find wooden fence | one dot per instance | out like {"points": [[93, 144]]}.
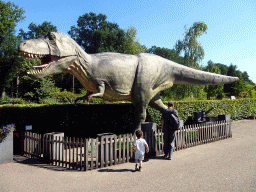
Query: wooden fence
{"points": [[108, 150]]}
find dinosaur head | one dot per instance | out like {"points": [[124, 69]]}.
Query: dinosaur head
{"points": [[57, 52]]}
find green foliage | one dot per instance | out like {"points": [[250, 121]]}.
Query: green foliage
{"points": [[131, 45], [170, 54], [66, 97], [223, 68], [36, 31], [191, 47], [10, 15], [95, 34], [251, 91], [8, 100], [237, 88], [39, 91], [213, 90]]}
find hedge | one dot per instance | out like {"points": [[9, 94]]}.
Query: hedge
{"points": [[75, 120], [88, 120]]}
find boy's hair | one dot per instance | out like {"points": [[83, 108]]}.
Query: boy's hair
{"points": [[139, 134]]}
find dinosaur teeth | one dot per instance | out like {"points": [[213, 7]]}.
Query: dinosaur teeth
{"points": [[41, 66], [31, 55]]}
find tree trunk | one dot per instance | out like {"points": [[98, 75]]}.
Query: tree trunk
{"points": [[3, 92]]}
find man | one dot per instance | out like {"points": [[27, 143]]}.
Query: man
{"points": [[169, 133]]}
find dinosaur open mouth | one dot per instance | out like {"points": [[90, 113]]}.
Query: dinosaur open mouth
{"points": [[46, 61]]}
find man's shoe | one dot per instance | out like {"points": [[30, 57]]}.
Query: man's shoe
{"points": [[169, 158], [136, 167], [140, 169]]}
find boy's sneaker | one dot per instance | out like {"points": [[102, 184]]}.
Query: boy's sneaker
{"points": [[136, 167]]}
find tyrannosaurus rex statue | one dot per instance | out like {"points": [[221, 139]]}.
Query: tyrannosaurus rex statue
{"points": [[114, 76]]}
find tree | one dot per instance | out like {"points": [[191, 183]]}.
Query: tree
{"points": [[246, 78], [170, 54], [193, 53], [96, 35], [10, 15], [131, 45], [223, 68], [239, 87], [213, 90], [228, 88], [36, 31], [191, 47]]}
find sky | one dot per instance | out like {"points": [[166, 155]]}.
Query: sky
{"points": [[230, 38]]}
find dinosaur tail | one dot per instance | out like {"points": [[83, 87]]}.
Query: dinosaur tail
{"points": [[187, 75]]}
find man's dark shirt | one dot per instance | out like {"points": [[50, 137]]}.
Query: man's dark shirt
{"points": [[166, 114]]}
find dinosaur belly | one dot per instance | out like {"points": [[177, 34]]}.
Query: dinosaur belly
{"points": [[111, 95]]}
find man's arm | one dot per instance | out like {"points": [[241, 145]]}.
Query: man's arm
{"points": [[176, 113], [162, 124], [147, 148]]}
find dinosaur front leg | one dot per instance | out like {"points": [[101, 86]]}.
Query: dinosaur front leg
{"points": [[157, 103], [101, 90]]}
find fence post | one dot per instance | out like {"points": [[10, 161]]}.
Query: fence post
{"points": [[111, 149], [101, 152], [86, 165], [230, 130], [115, 149], [124, 140], [92, 151]]}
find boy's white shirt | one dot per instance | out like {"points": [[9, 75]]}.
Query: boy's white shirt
{"points": [[140, 145]]}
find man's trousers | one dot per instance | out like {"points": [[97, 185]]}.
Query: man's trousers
{"points": [[169, 141]]}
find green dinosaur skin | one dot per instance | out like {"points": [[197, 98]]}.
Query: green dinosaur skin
{"points": [[114, 76]]}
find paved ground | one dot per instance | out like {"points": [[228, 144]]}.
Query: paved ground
{"points": [[226, 165]]}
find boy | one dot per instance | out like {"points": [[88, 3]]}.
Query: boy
{"points": [[139, 147]]}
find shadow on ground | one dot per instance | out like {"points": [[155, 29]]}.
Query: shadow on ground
{"points": [[41, 164], [38, 163]]}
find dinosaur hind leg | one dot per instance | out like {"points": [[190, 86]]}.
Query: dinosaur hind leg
{"points": [[141, 101]]}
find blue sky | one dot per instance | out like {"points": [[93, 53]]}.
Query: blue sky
{"points": [[230, 38]]}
